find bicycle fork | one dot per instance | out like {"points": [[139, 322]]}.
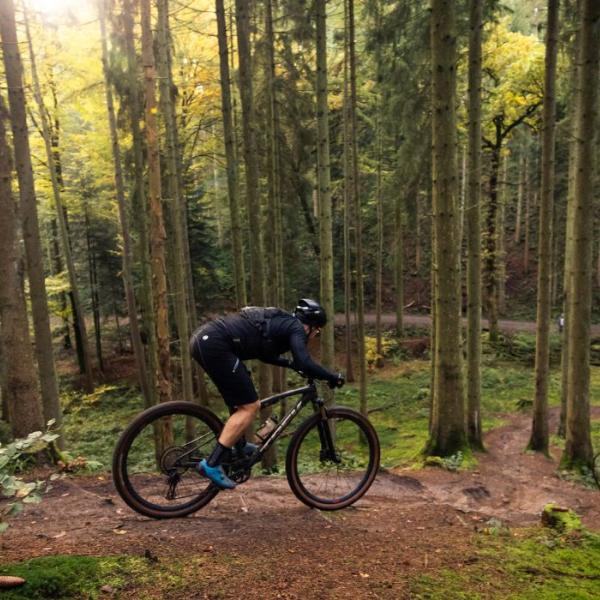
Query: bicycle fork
{"points": [[326, 435]]}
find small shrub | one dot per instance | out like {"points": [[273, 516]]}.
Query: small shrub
{"points": [[13, 457]]}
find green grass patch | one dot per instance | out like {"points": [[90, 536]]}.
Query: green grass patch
{"points": [[84, 577], [75, 576], [529, 565]]}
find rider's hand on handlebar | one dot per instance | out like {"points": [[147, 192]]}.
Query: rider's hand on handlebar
{"points": [[338, 382]]}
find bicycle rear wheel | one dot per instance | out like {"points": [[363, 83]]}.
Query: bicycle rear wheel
{"points": [[154, 463], [330, 481]]}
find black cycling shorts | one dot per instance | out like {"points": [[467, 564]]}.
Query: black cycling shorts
{"points": [[213, 352]]}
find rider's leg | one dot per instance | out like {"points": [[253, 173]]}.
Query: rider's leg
{"points": [[238, 423], [234, 429]]}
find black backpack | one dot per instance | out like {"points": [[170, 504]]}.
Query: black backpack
{"points": [[261, 316]]}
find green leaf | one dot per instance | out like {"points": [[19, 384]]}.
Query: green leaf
{"points": [[3, 526]]}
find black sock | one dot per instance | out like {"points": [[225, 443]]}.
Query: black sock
{"points": [[218, 455]]}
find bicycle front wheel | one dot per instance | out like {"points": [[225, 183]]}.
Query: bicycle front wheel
{"points": [[155, 460], [333, 478]]}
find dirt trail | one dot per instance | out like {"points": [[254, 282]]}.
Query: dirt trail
{"points": [[507, 326], [260, 542]]}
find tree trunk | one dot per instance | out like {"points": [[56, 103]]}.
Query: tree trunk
{"points": [[140, 204], [93, 279], [473, 205], [20, 386], [360, 302], [539, 429], [127, 273], [520, 195], [578, 447], [62, 223], [232, 167], [157, 228], [528, 203], [28, 213], [174, 201], [257, 283], [491, 245], [501, 228], [324, 186], [448, 421], [347, 208]]}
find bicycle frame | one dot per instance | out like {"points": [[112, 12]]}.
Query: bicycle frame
{"points": [[308, 394]]}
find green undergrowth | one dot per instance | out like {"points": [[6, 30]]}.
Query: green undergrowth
{"points": [[398, 401], [532, 564]]}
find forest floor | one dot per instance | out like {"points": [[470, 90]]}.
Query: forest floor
{"points": [[424, 533]]}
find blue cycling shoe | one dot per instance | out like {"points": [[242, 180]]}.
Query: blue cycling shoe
{"points": [[216, 474]]}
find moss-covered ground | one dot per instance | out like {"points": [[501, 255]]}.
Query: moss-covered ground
{"points": [[529, 564]]}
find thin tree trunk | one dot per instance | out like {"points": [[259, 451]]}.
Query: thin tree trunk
{"points": [[127, 272], [473, 205], [528, 207], [347, 208], [360, 302], [173, 203], [417, 234], [520, 195], [230, 154], [28, 213], [324, 185], [62, 223], [140, 205], [491, 245], [448, 416], [257, 282], [93, 278], [539, 440], [379, 257], [19, 388], [501, 228], [578, 447], [157, 228]]}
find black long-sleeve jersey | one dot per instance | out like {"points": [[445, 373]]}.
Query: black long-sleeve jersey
{"points": [[285, 333]]}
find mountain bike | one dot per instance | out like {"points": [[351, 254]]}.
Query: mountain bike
{"points": [[331, 461]]}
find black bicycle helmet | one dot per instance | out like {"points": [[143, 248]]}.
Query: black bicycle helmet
{"points": [[311, 313]]}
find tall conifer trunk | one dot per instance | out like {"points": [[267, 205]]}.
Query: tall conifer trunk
{"points": [[28, 212], [360, 301], [473, 206], [157, 228], [539, 429], [257, 282], [347, 207], [448, 422], [140, 205], [231, 159], [177, 246], [324, 186], [19, 390], [578, 447]]}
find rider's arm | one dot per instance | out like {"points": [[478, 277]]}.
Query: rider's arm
{"points": [[278, 361], [302, 360]]}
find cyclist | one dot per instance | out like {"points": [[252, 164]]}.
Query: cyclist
{"points": [[254, 333]]}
